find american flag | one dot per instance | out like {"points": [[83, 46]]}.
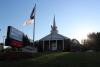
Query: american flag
{"points": [[32, 17]]}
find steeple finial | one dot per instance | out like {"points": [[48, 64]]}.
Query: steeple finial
{"points": [[54, 27]]}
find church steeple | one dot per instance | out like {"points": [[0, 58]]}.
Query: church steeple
{"points": [[54, 27]]}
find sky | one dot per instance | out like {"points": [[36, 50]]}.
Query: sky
{"points": [[74, 18]]}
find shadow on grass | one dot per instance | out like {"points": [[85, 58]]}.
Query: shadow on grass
{"points": [[57, 59]]}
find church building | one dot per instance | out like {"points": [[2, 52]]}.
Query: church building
{"points": [[54, 41]]}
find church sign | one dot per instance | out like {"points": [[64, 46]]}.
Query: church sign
{"points": [[14, 37]]}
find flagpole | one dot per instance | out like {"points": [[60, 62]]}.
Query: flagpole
{"points": [[34, 25], [33, 32]]}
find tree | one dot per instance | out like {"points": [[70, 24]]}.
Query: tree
{"points": [[26, 40], [1, 44], [93, 41]]}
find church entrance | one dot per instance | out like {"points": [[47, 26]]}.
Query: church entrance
{"points": [[54, 46]]}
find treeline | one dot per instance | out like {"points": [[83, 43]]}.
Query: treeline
{"points": [[92, 42]]}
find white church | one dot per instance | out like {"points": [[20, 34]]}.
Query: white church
{"points": [[54, 41]]}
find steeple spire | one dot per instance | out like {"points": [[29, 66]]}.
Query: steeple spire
{"points": [[54, 27], [54, 23]]}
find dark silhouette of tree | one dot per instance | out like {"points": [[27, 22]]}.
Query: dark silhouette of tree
{"points": [[26, 40], [1, 44], [93, 41]]}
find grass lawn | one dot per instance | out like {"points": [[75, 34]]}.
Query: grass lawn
{"points": [[57, 59]]}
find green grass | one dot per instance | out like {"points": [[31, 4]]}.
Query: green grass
{"points": [[57, 59]]}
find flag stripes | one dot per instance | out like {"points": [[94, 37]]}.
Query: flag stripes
{"points": [[32, 17]]}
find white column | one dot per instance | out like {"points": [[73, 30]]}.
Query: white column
{"points": [[56, 45], [43, 45], [63, 44]]}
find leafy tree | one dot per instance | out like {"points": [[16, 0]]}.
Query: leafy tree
{"points": [[26, 40], [93, 41]]}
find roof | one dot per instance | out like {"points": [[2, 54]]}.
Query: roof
{"points": [[54, 36]]}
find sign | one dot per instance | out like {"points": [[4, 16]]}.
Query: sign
{"points": [[14, 37]]}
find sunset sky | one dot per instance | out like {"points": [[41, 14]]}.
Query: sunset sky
{"points": [[74, 18]]}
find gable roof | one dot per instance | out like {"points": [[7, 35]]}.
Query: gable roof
{"points": [[54, 36]]}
